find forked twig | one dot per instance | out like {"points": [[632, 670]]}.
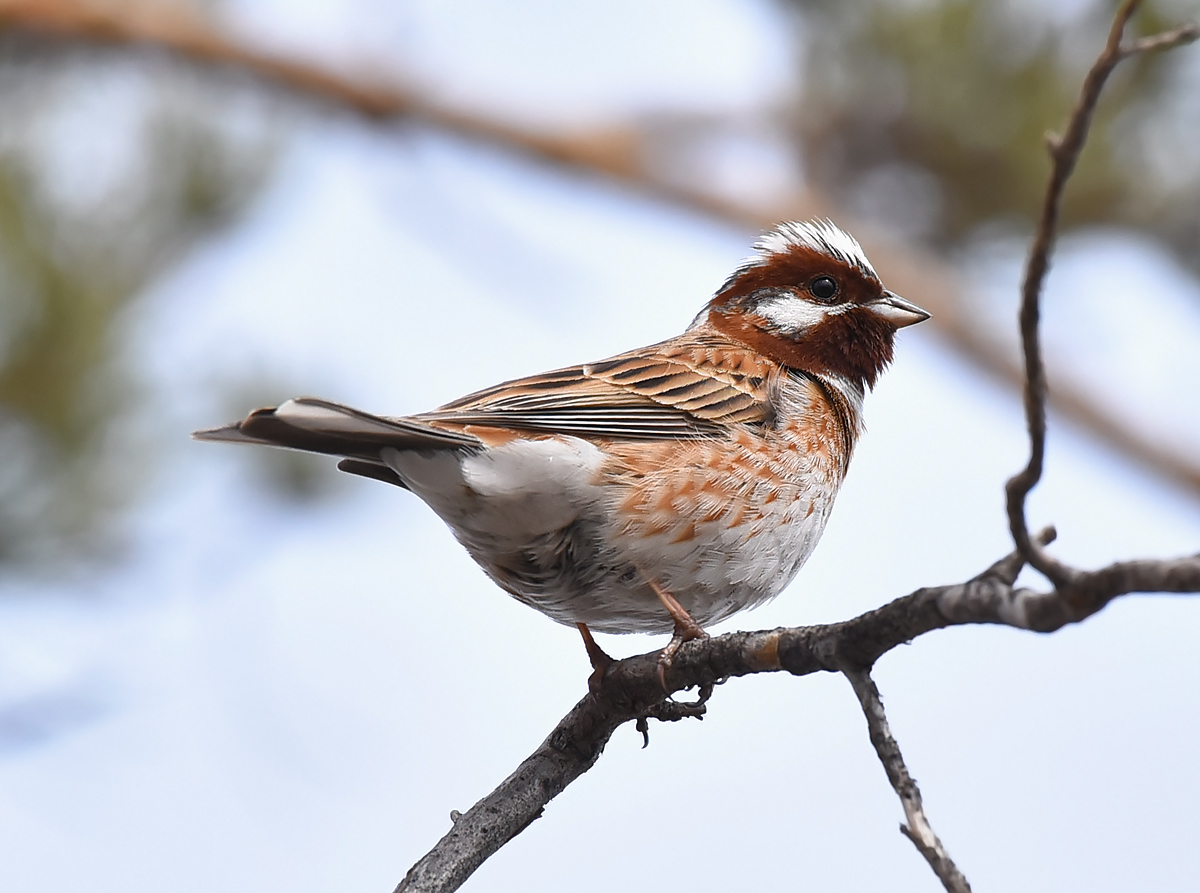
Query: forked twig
{"points": [[1064, 154]]}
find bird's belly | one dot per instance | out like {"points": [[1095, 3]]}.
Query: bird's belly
{"points": [[723, 525], [580, 533]]}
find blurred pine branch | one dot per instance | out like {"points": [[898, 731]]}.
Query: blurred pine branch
{"points": [[72, 261]]}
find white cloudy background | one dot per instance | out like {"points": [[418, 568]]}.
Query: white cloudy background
{"points": [[270, 695]]}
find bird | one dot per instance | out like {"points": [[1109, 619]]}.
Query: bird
{"points": [[660, 490]]}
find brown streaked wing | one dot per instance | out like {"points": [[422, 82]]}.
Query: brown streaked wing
{"points": [[669, 390]]}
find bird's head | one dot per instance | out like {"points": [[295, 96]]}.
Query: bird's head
{"points": [[811, 300]]}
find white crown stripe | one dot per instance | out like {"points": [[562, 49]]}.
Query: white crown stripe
{"points": [[817, 235]]}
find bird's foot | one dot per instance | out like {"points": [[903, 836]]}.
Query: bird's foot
{"points": [[672, 711]]}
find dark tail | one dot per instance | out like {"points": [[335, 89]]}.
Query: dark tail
{"points": [[318, 426]]}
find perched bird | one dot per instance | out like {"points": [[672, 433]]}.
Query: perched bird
{"points": [[663, 489]]}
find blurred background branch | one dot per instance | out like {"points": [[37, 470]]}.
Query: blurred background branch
{"points": [[80, 238], [914, 124]]}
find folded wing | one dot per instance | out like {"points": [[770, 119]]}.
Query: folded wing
{"points": [[662, 392], [678, 389]]}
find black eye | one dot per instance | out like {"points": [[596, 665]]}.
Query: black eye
{"points": [[823, 288]]}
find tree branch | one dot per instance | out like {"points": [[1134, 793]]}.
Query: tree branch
{"points": [[629, 689], [617, 152]]}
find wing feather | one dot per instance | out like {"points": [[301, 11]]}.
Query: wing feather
{"points": [[686, 387]]}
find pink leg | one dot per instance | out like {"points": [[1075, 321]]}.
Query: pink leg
{"points": [[686, 629]]}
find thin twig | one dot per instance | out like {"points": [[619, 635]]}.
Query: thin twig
{"points": [[918, 829], [618, 152], [1064, 154], [1165, 40]]}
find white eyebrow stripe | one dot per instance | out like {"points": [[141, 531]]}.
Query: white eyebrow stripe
{"points": [[792, 314]]}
